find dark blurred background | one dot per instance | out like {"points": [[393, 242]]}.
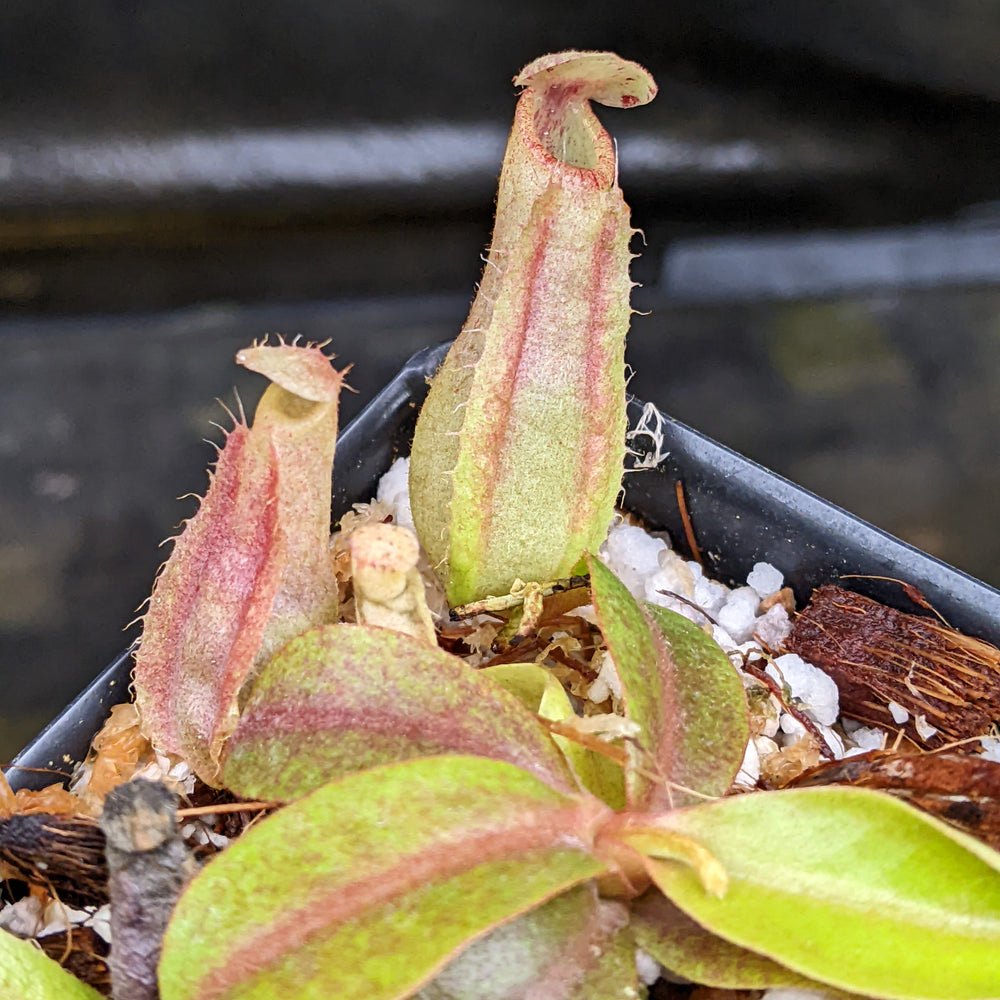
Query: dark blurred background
{"points": [[817, 184]]}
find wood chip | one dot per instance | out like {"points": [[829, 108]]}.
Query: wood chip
{"points": [[65, 854], [947, 681], [785, 597]]}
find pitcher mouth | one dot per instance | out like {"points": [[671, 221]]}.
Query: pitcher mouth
{"points": [[556, 123]]}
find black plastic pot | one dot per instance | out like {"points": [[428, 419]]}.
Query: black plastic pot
{"points": [[741, 513]]}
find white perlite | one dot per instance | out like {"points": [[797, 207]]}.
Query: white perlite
{"points": [[833, 741], [725, 641], [673, 577], [394, 491], [633, 556], [765, 579], [814, 690], [866, 738], [899, 714], [647, 967], [708, 595], [924, 729], [773, 627], [738, 614]]}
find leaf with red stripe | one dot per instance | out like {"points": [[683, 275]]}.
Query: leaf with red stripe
{"points": [[345, 698], [681, 689], [252, 568], [368, 887]]}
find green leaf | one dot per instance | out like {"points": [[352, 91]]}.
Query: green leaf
{"points": [[26, 973], [345, 698], [849, 887], [686, 949], [575, 947], [540, 692], [366, 888], [681, 689]]}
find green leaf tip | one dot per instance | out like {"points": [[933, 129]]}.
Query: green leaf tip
{"points": [[848, 887], [519, 449]]}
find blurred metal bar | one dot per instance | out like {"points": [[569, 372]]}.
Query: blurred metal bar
{"points": [[747, 268], [133, 168], [392, 163]]}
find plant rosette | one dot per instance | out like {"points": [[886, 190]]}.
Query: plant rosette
{"points": [[489, 766]]}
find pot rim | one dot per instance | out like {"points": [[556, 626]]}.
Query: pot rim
{"points": [[742, 513]]}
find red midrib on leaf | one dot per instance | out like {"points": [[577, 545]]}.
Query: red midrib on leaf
{"points": [[663, 733], [451, 733], [335, 905]]}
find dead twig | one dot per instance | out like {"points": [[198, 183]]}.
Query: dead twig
{"points": [[148, 865]]}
